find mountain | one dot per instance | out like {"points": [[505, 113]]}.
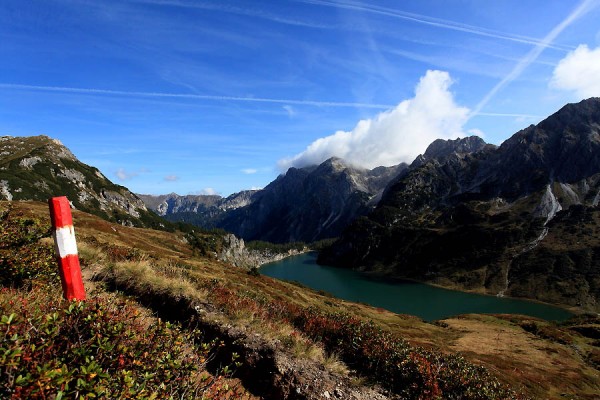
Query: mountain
{"points": [[202, 210], [519, 219], [309, 204], [440, 148], [304, 204], [173, 203], [39, 167]]}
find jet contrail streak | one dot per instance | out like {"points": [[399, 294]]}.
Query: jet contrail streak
{"points": [[108, 92]]}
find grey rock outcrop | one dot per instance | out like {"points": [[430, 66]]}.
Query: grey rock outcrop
{"points": [[442, 148], [237, 254], [39, 167]]}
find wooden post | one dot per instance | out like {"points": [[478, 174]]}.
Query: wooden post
{"points": [[66, 248]]}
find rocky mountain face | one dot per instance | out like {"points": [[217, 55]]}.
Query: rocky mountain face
{"points": [[38, 167], [500, 219], [440, 149], [308, 204], [173, 203], [305, 204]]}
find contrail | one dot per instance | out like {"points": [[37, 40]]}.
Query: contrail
{"points": [[584, 7], [418, 18], [250, 12], [437, 22], [107, 92]]}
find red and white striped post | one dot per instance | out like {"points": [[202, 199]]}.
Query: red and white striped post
{"points": [[66, 248]]}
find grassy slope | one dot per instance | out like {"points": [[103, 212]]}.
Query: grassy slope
{"points": [[161, 271]]}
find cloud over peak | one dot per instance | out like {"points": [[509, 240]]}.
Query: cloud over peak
{"points": [[393, 136]]}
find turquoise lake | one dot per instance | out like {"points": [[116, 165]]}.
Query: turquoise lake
{"points": [[427, 302]]}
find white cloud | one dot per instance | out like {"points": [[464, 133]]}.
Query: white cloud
{"points": [[124, 175], [579, 71], [290, 110], [249, 171], [583, 8], [171, 178], [396, 135], [208, 191]]}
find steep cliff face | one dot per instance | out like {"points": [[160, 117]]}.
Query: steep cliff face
{"points": [[309, 204], [236, 253], [38, 167], [480, 220], [440, 148]]}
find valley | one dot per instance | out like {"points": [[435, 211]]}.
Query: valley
{"points": [[519, 219]]}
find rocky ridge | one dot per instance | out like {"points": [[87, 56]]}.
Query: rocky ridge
{"points": [[206, 211], [173, 203], [39, 167]]}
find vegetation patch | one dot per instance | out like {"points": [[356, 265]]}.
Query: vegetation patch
{"points": [[23, 257], [260, 321], [106, 347], [377, 354], [409, 371], [102, 348]]}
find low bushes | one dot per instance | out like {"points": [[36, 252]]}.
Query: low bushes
{"points": [[102, 348], [23, 257], [409, 371]]}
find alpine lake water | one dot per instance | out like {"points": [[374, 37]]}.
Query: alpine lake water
{"points": [[425, 301]]}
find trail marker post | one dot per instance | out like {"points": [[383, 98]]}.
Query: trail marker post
{"points": [[66, 248]]}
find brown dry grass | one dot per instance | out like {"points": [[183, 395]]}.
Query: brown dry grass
{"points": [[545, 368]]}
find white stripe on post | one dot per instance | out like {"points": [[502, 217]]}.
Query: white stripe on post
{"points": [[66, 248], [65, 241]]}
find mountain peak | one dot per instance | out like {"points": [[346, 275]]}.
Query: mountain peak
{"points": [[517, 220], [332, 165], [563, 147], [443, 148]]}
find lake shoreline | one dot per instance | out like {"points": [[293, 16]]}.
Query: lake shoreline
{"points": [[373, 276], [471, 301]]}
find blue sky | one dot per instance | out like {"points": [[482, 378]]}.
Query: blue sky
{"points": [[192, 96]]}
